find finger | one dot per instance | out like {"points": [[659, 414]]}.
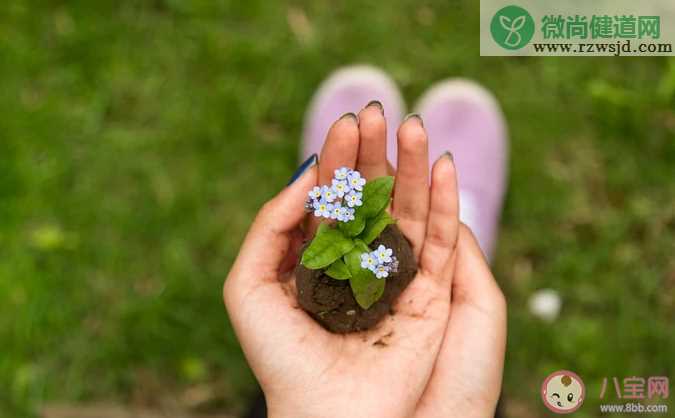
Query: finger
{"points": [[442, 222], [471, 358], [411, 189], [372, 158], [296, 240], [261, 305], [341, 147], [473, 278], [340, 150], [268, 239]]}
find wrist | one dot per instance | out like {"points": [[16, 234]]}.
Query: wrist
{"points": [[282, 408], [289, 407]]}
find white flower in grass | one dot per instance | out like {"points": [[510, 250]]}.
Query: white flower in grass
{"points": [[349, 214], [342, 173], [322, 209], [340, 187], [353, 198], [383, 254], [545, 304], [368, 261], [355, 181]]}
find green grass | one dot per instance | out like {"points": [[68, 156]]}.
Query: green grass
{"points": [[138, 139]]}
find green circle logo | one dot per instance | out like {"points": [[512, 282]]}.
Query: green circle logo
{"points": [[512, 27]]}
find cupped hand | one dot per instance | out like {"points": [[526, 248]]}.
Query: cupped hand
{"points": [[415, 362], [467, 376]]}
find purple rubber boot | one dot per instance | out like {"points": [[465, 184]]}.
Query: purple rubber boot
{"points": [[462, 117], [348, 90]]}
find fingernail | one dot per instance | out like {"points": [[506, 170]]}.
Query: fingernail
{"points": [[350, 115], [448, 155], [377, 104], [303, 168], [414, 116]]}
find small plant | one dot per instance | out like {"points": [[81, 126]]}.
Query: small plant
{"points": [[341, 249]]}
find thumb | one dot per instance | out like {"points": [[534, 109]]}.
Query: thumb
{"points": [[269, 237], [473, 279]]}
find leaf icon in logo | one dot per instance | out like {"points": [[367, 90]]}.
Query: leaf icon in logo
{"points": [[518, 23], [505, 21], [513, 26]]}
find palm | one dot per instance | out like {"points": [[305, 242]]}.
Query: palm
{"points": [[375, 361], [471, 359]]}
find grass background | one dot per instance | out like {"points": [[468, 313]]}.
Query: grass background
{"points": [[138, 139]]}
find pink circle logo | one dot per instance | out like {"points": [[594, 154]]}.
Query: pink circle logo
{"points": [[563, 392]]}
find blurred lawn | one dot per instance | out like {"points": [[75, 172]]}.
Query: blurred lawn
{"points": [[138, 139]]}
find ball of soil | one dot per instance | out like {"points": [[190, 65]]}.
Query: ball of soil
{"points": [[331, 302]]}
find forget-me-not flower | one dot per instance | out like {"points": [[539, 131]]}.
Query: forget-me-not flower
{"points": [[322, 208], [383, 254], [340, 187], [381, 271], [338, 212], [368, 261], [381, 262], [355, 180], [353, 198], [339, 200], [315, 193], [342, 173], [328, 194]]}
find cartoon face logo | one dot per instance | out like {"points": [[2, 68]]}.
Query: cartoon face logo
{"points": [[563, 392]]}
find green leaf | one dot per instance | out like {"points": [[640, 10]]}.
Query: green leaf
{"points": [[375, 226], [338, 270], [354, 227], [367, 289], [360, 245], [328, 245], [376, 196]]}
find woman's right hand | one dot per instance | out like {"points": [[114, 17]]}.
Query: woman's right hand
{"points": [[467, 377]]}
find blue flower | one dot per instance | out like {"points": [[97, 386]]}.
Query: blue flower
{"points": [[328, 194], [354, 198], [315, 193], [381, 271], [322, 208], [393, 266], [355, 180], [368, 261], [383, 254], [342, 173], [338, 212], [349, 214], [340, 187]]}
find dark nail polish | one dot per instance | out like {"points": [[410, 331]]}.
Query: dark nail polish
{"points": [[350, 115], [377, 104], [448, 155], [313, 159], [415, 116]]}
